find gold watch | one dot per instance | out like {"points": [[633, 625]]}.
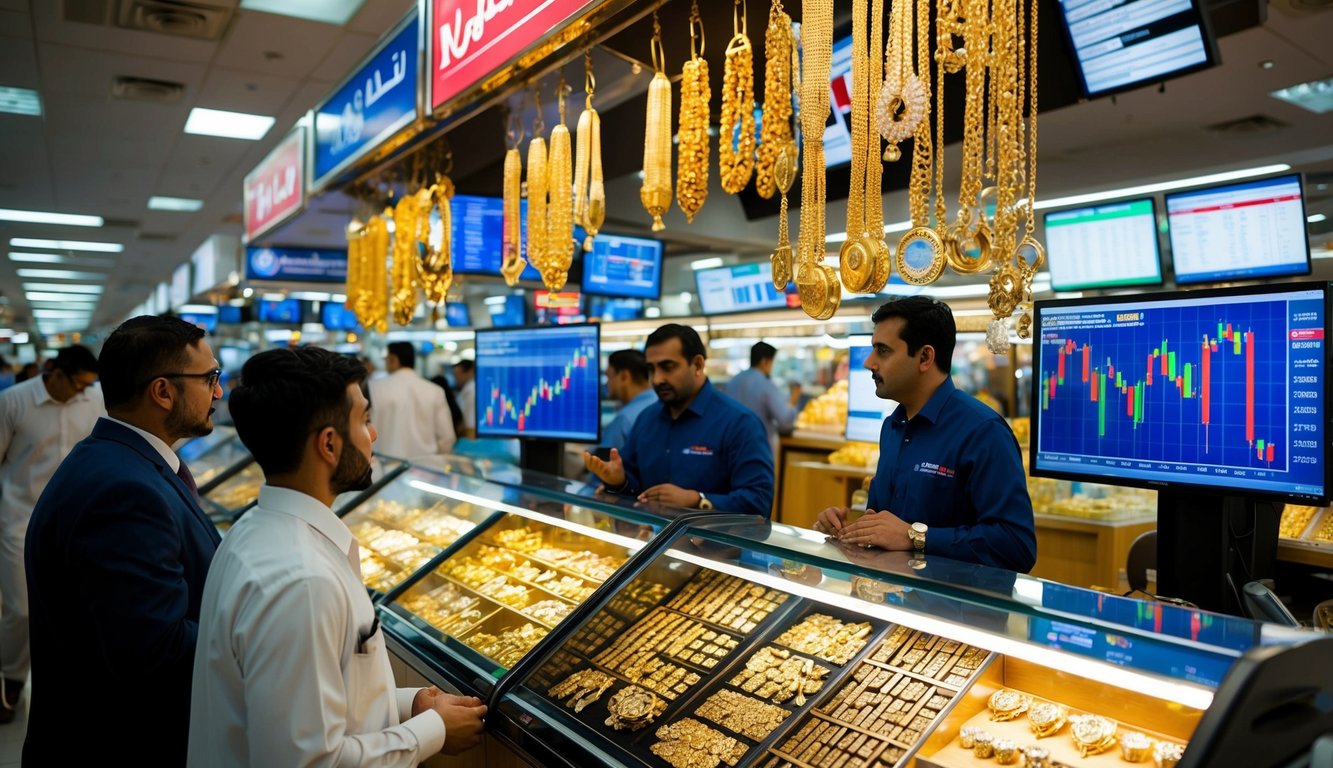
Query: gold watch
{"points": [[704, 503], [917, 533]]}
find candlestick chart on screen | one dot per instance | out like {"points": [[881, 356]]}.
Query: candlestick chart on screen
{"points": [[538, 385]]}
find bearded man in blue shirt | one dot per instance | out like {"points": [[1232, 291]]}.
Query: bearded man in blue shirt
{"points": [[950, 477], [695, 447]]}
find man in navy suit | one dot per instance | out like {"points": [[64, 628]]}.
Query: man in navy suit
{"points": [[117, 552]]}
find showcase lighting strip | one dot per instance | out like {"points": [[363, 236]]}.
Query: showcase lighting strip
{"points": [[1173, 691]]}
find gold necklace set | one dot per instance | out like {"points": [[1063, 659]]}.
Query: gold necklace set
{"points": [[512, 263], [367, 272], [695, 95], [779, 157], [820, 291], [864, 258]]}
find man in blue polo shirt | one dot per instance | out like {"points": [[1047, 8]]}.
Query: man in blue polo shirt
{"points": [[695, 447], [950, 477]]}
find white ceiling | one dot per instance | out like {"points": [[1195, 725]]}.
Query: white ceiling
{"points": [[91, 153]]}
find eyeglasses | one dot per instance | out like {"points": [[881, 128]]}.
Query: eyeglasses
{"points": [[210, 377]]}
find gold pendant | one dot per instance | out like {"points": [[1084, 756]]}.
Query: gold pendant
{"points": [[856, 264], [781, 261], [920, 256], [821, 294]]}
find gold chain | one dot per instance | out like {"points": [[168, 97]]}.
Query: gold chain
{"points": [[786, 162], [918, 190], [820, 291], [405, 259], [692, 152], [735, 153], [560, 208], [377, 273], [656, 191], [864, 257], [776, 130], [537, 193]]}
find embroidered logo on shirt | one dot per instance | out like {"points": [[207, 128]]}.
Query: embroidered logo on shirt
{"points": [[926, 467], [697, 450]]}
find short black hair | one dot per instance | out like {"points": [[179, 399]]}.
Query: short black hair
{"points": [[76, 359], [762, 351], [925, 321], [465, 365], [407, 357], [631, 360], [285, 395], [140, 349], [690, 343]]}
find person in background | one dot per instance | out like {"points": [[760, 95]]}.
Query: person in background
{"points": [[7, 378], [695, 447], [465, 376], [292, 668], [41, 419], [755, 390], [626, 381], [950, 477], [412, 413], [116, 556], [26, 372], [455, 412]]}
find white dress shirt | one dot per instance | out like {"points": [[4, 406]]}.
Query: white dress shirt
{"points": [[288, 670], [411, 416], [36, 434]]}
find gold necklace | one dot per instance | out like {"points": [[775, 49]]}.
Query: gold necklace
{"points": [[920, 255], [537, 195], [904, 99], [735, 153], [589, 190], [692, 153], [775, 133], [820, 291], [655, 194], [787, 156], [559, 249], [864, 258], [970, 233], [405, 259], [512, 263]]}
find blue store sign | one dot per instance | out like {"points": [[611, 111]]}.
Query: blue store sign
{"points": [[377, 101], [296, 265]]}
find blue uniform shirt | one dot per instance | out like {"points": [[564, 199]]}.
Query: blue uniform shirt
{"points": [[617, 432], [956, 467], [752, 389], [716, 447]]}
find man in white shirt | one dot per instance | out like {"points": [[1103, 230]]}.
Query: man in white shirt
{"points": [[41, 420], [465, 376], [411, 413], [292, 668]]}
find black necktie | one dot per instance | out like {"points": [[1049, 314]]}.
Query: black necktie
{"points": [[184, 474]]}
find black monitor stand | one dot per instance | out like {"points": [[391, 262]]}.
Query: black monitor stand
{"points": [[542, 456], [1209, 547]]}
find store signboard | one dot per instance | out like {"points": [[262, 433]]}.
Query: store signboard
{"points": [[296, 265], [275, 189], [470, 39], [378, 100]]}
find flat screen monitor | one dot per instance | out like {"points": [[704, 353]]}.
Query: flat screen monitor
{"points": [[1239, 231], [206, 320], [630, 267], [456, 314], [1217, 391], [229, 315], [612, 309], [866, 412], [284, 311], [1124, 45], [478, 236], [1108, 245], [559, 308], [539, 383], [740, 288], [507, 311], [336, 317]]}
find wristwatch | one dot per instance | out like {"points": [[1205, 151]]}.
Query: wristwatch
{"points": [[704, 503], [917, 533]]}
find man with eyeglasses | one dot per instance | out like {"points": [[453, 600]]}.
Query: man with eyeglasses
{"points": [[40, 421], [117, 553]]}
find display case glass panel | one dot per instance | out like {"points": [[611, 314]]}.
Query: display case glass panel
{"points": [[212, 457]]}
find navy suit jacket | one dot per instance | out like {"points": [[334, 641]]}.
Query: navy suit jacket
{"points": [[116, 556]]}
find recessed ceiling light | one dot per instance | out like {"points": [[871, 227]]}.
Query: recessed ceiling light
{"points": [[229, 125], [62, 287], [330, 11], [158, 203], [48, 217], [66, 245], [20, 101], [1316, 95], [60, 274], [60, 258]]}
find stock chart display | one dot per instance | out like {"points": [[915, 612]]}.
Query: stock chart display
{"points": [[539, 383], [1218, 391]]}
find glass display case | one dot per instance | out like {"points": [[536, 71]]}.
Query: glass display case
{"points": [[214, 457]]}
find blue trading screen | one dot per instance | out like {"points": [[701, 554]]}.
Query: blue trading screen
{"points": [[623, 266], [284, 311], [1223, 390], [336, 317], [539, 383], [456, 314], [477, 235], [740, 288]]}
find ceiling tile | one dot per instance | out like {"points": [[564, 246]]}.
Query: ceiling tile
{"points": [[350, 49], [377, 17], [252, 35], [128, 119], [52, 28], [18, 64], [247, 92], [90, 73]]}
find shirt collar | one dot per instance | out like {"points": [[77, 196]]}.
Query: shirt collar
{"points": [[309, 510], [648, 394], [704, 399], [40, 394], [169, 456], [931, 410]]}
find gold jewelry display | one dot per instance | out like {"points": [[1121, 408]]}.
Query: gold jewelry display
{"points": [[512, 263], [1006, 752], [920, 256], [582, 688], [558, 255], [820, 290], [1046, 719], [776, 131], [1008, 704], [633, 707], [735, 153], [1167, 754], [538, 175], [356, 290], [405, 262], [692, 152], [1092, 734], [1135, 747], [589, 191], [436, 269], [656, 191], [864, 257], [904, 98], [377, 272]]}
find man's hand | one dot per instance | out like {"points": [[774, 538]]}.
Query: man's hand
{"points": [[462, 723], [674, 495], [611, 472], [831, 521], [423, 699], [879, 529]]}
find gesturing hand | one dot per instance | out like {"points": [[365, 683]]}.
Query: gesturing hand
{"points": [[611, 471]]}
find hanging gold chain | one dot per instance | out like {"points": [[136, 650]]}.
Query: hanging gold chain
{"points": [[538, 176], [735, 140], [692, 151], [786, 154], [512, 263], [864, 257], [559, 249], [655, 194], [776, 132], [820, 291]]}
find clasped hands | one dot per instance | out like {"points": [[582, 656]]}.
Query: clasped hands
{"points": [[878, 529], [611, 472], [461, 715]]}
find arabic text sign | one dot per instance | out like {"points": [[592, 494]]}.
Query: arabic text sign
{"points": [[374, 103], [275, 189], [470, 39]]}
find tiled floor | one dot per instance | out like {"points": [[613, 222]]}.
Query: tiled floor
{"points": [[11, 736]]}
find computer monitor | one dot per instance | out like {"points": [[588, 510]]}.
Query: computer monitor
{"points": [[456, 314], [507, 311], [1108, 245], [336, 317], [477, 235], [229, 315], [206, 320], [740, 288], [865, 410], [1239, 231], [286, 311], [558, 307], [1125, 45], [629, 267]]}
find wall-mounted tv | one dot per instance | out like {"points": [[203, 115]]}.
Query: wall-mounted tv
{"points": [[1239, 231], [507, 311], [629, 267], [286, 311], [1124, 45], [740, 288], [1106, 245], [229, 315], [336, 317], [560, 308], [456, 314], [539, 383]]}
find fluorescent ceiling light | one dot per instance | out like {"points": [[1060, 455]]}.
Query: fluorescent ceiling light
{"points": [[494, 300], [1315, 218], [708, 263], [274, 297], [60, 274], [329, 11], [199, 309], [60, 258], [60, 297], [159, 203], [61, 305], [229, 125], [66, 245], [1162, 186], [61, 314], [20, 101], [1316, 95], [49, 217], [62, 287]]}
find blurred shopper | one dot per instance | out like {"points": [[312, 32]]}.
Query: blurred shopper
{"points": [[754, 388], [411, 413], [627, 382], [465, 376]]}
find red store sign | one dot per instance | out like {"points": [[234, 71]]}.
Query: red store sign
{"points": [[275, 189], [470, 39]]}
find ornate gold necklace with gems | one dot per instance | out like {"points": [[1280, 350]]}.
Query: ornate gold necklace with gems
{"points": [[920, 255], [820, 291]]}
